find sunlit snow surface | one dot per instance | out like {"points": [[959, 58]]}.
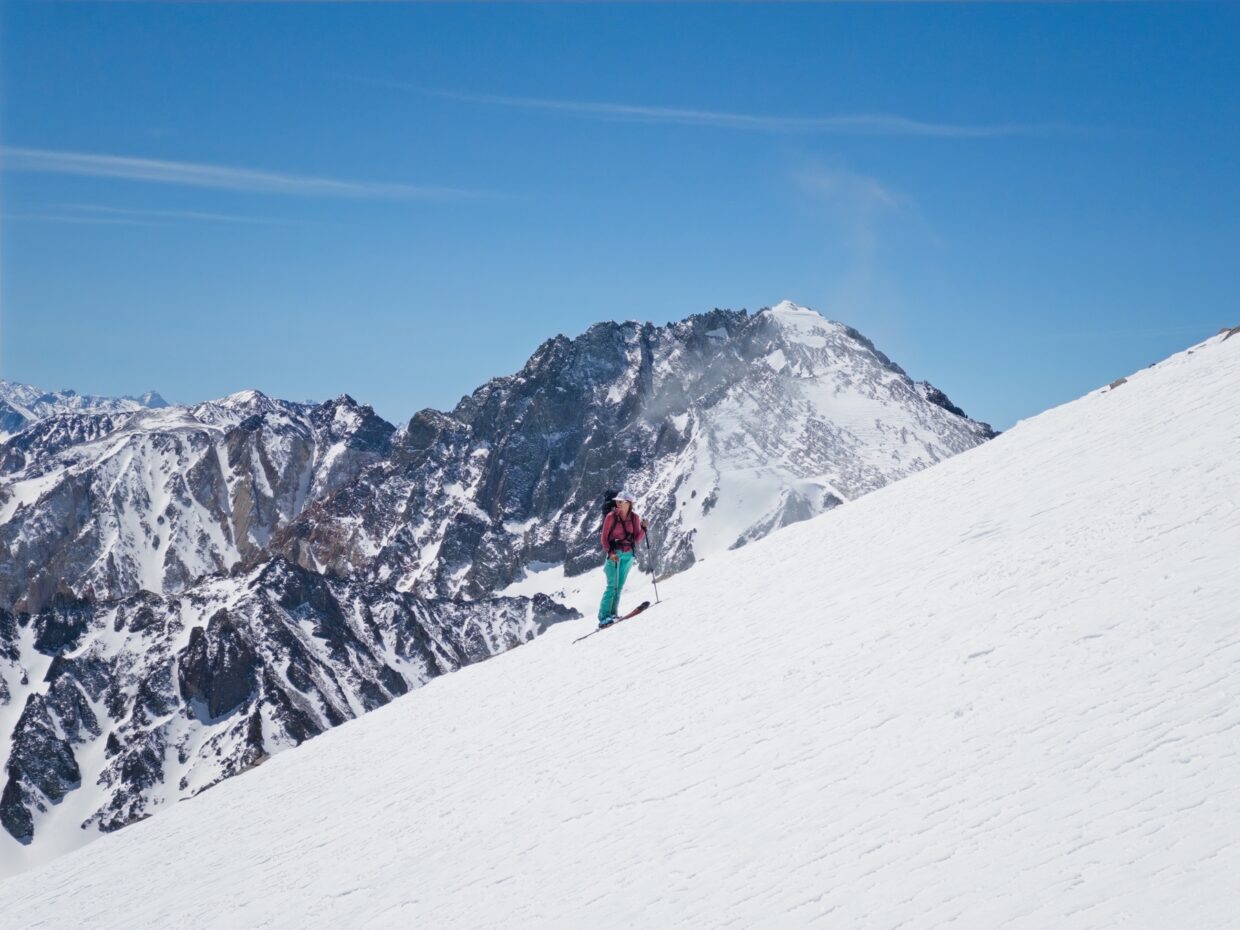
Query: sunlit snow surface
{"points": [[999, 693]]}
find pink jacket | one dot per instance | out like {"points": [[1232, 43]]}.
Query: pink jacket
{"points": [[616, 532]]}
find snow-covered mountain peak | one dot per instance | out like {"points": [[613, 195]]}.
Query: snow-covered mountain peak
{"points": [[343, 413], [249, 399], [238, 406], [727, 424], [17, 393], [787, 309], [344, 419], [797, 318], [807, 328]]}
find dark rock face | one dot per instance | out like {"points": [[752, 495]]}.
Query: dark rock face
{"points": [[217, 669], [15, 816], [41, 769], [939, 399], [62, 623]]}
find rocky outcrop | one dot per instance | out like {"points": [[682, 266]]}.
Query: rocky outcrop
{"points": [[218, 670]]}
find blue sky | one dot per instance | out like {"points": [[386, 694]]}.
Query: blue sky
{"points": [[1015, 202]]}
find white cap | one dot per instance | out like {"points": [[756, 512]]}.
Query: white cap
{"points": [[625, 496]]}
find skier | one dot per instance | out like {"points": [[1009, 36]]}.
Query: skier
{"points": [[622, 531]]}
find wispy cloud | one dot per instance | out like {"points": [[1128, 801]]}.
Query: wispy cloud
{"points": [[98, 213], [858, 124], [194, 174], [84, 220]]}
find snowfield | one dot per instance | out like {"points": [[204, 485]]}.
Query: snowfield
{"points": [[1002, 692]]}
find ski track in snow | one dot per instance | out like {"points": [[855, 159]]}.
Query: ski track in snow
{"points": [[1001, 693]]}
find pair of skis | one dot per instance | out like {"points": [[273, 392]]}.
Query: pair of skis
{"points": [[632, 613], [636, 610]]}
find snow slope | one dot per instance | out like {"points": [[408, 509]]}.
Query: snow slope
{"points": [[999, 693]]}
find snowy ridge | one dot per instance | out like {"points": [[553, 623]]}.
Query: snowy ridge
{"points": [[1000, 693]]}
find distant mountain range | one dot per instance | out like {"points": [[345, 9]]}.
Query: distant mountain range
{"points": [[22, 404]]}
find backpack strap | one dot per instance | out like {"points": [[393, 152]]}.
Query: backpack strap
{"points": [[630, 536]]}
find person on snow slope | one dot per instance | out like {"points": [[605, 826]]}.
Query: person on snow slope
{"points": [[623, 529]]}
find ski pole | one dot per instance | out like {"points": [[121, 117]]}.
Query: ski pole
{"points": [[654, 571]]}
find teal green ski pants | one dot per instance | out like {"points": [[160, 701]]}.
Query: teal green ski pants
{"points": [[616, 573]]}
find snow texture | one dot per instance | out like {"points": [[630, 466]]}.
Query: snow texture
{"points": [[1001, 693]]}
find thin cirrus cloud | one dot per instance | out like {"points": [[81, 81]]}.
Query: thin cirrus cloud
{"points": [[98, 214], [868, 124], [220, 177]]}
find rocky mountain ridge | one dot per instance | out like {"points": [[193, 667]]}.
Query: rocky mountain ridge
{"points": [[727, 426], [104, 505]]}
